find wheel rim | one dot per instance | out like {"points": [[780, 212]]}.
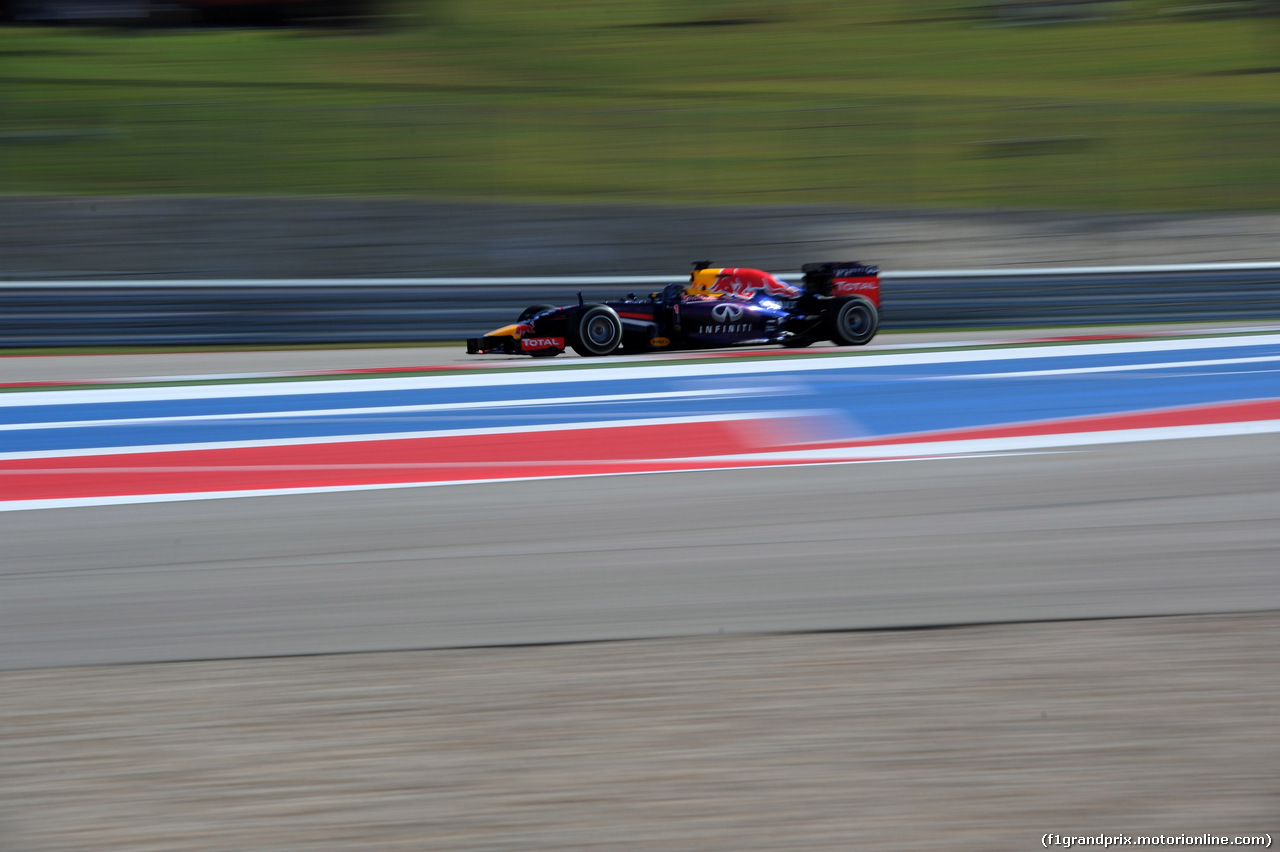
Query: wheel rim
{"points": [[600, 331], [855, 321]]}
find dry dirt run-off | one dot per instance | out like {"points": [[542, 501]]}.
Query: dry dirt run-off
{"points": [[960, 738]]}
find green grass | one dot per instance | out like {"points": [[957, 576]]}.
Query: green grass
{"points": [[895, 104]]}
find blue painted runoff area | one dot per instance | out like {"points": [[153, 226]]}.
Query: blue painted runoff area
{"points": [[853, 401]]}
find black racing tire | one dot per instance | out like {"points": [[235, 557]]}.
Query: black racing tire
{"points": [[595, 331], [853, 322], [533, 310]]}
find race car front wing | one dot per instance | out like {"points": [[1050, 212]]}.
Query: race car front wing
{"points": [[510, 345]]}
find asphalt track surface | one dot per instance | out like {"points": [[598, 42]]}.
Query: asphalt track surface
{"points": [[1134, 529], [1153, 529]]}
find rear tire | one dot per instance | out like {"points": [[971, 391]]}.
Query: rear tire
{"points": [[595, 331], [853, 322]]}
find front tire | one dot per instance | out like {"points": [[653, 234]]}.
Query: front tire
{"points": [[853, 322], [595, 331]]}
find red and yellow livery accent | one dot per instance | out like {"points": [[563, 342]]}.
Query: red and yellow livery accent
{"points": [[744, 283]]}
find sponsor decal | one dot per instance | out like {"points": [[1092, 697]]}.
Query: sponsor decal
{"points": [[736, 328], [748, 282], [659, 341], [528, 344], [850, 286], [778, 287], [726, 313]]}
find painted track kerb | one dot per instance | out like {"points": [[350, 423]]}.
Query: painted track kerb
{"points": [[99, 446], [393, 436], [388, 409]]}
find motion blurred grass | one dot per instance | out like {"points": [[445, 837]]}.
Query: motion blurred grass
{"points": [[919, 103]]}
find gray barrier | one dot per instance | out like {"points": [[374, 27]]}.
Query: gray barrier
{"points": [[199, 313]]}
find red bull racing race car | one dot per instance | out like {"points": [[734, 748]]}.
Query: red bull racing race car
{"points": [[716, 308]]}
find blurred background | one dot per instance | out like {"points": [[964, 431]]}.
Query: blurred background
{"points": [[209, 138], [1149, 105]]}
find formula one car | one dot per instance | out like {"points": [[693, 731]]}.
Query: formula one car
{"points": [[717, 308]]}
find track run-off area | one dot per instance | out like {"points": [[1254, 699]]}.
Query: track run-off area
{"points": [[542, 651], [255, 435]]}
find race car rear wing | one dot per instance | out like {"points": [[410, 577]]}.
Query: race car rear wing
{"points": [[843, 278]]}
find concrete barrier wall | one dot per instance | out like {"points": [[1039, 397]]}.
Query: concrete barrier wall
{"points": [[137, 313]]}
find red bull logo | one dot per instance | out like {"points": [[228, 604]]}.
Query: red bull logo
{"points": [[743, 283]]}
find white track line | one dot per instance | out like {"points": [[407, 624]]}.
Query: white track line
{"points": [[1115, 368], [271, 414], [404, 436], [134, 499], [923, 451], [1012, 443], [568, 374]]}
